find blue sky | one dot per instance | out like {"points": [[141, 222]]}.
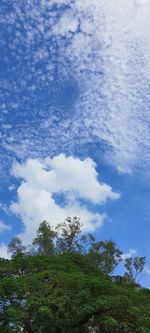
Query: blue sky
{"points": [[75, 119]]}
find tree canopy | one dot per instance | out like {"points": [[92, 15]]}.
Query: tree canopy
{"points": [[66, 284]]}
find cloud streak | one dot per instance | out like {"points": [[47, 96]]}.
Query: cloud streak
{"points": [[4, 227]]}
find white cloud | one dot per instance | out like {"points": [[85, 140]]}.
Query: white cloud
{"points": [[129, 254], [69, 176], [4, 227], [12, 187], [3, 251], [104, 47], [68, 23], [66, 174], [4, 207]]}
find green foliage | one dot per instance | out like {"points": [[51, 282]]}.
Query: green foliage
{"points": [[44, 240], [65, 286], [15, 247], [105, 255], [69, 231], [134, 267]]}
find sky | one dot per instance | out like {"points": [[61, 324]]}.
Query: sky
{"points": [[75, 119]]}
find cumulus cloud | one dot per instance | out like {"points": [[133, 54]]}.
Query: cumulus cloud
{"points": [[74, 179]]}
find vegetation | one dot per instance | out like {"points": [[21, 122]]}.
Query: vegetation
{"points": [[64, 283]]}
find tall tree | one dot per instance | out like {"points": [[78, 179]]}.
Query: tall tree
{"points": [[69, 231], [44, 240], [15, 247], [134, 267], [105, 255]]}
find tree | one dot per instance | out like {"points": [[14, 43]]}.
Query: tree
{"points": [[105, 255], [44, 240], [71, 290], [65, 294], [15, 247], [134, 267], [69, 232]]}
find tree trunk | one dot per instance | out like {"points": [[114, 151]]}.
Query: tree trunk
{"points": [[58, 330], [27, 329]]}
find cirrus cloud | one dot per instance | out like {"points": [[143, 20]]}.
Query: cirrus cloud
{"points": [[98, 51]]}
